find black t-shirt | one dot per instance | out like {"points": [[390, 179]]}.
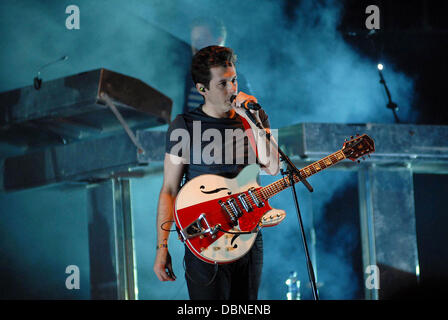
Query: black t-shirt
{"points": [[214, 146]]}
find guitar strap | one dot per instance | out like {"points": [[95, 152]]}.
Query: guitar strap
{"points": [[250, 135]]}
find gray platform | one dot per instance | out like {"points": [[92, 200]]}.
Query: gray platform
{"points": [[386, 191]]}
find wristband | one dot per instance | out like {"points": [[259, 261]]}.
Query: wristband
{"points": [[162, 245]]}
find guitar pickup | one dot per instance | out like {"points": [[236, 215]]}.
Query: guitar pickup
{"points": [[196, 228], [230, 213], [246, 204], [234, 205], [254, 198]]}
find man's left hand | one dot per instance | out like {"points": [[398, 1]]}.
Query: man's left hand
{"points": [[240, 99]]}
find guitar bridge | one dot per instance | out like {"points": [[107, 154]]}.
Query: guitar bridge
{"points": [[196, 228]]}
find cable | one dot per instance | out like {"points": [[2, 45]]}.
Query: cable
{"points": [[161, 226], [191, 278]]}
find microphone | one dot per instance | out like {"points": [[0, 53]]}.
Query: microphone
{"points": [[247, 105], [38, 81]]}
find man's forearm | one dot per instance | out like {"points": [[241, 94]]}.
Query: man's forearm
{"points": [[164, 216], [269, 159], [267, 152]]}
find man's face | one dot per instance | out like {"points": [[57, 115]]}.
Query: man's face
{"points": [[223, 85]]}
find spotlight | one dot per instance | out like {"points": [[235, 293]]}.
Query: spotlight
{"points": [[380, 66]]}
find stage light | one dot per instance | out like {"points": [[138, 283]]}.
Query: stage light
{"points": [[380, 66]]}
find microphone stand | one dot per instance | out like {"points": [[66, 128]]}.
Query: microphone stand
{"points": [[291, 171], [391, 105]]}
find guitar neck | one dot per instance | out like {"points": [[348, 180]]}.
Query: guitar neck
{"points": [[279, 185]]}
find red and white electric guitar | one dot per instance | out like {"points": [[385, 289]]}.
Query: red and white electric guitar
{"points": [[219, 218]]}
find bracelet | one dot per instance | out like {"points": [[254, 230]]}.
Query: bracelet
{"points": [[162, 245]]}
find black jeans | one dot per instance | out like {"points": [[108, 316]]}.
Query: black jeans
{"points": [[238, 280]]}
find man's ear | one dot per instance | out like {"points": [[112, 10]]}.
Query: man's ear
{"points": [[201, 88]]}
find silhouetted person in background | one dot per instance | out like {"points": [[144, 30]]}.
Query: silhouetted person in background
{"points": [[204, 32]]}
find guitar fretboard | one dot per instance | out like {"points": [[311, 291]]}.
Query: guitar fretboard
{"points": [[279, 185]]}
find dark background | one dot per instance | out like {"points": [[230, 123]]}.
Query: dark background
{"points": [[414, 35]]}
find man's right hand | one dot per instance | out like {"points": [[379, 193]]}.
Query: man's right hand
{"points": [[162, 266]]}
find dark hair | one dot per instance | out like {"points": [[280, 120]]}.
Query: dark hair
{"points": [[208, 57]]}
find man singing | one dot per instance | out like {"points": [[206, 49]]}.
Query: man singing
{"points": [[214, 75]]}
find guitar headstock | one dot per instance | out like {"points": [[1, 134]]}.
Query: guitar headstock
{"points": [[358, 146]]}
